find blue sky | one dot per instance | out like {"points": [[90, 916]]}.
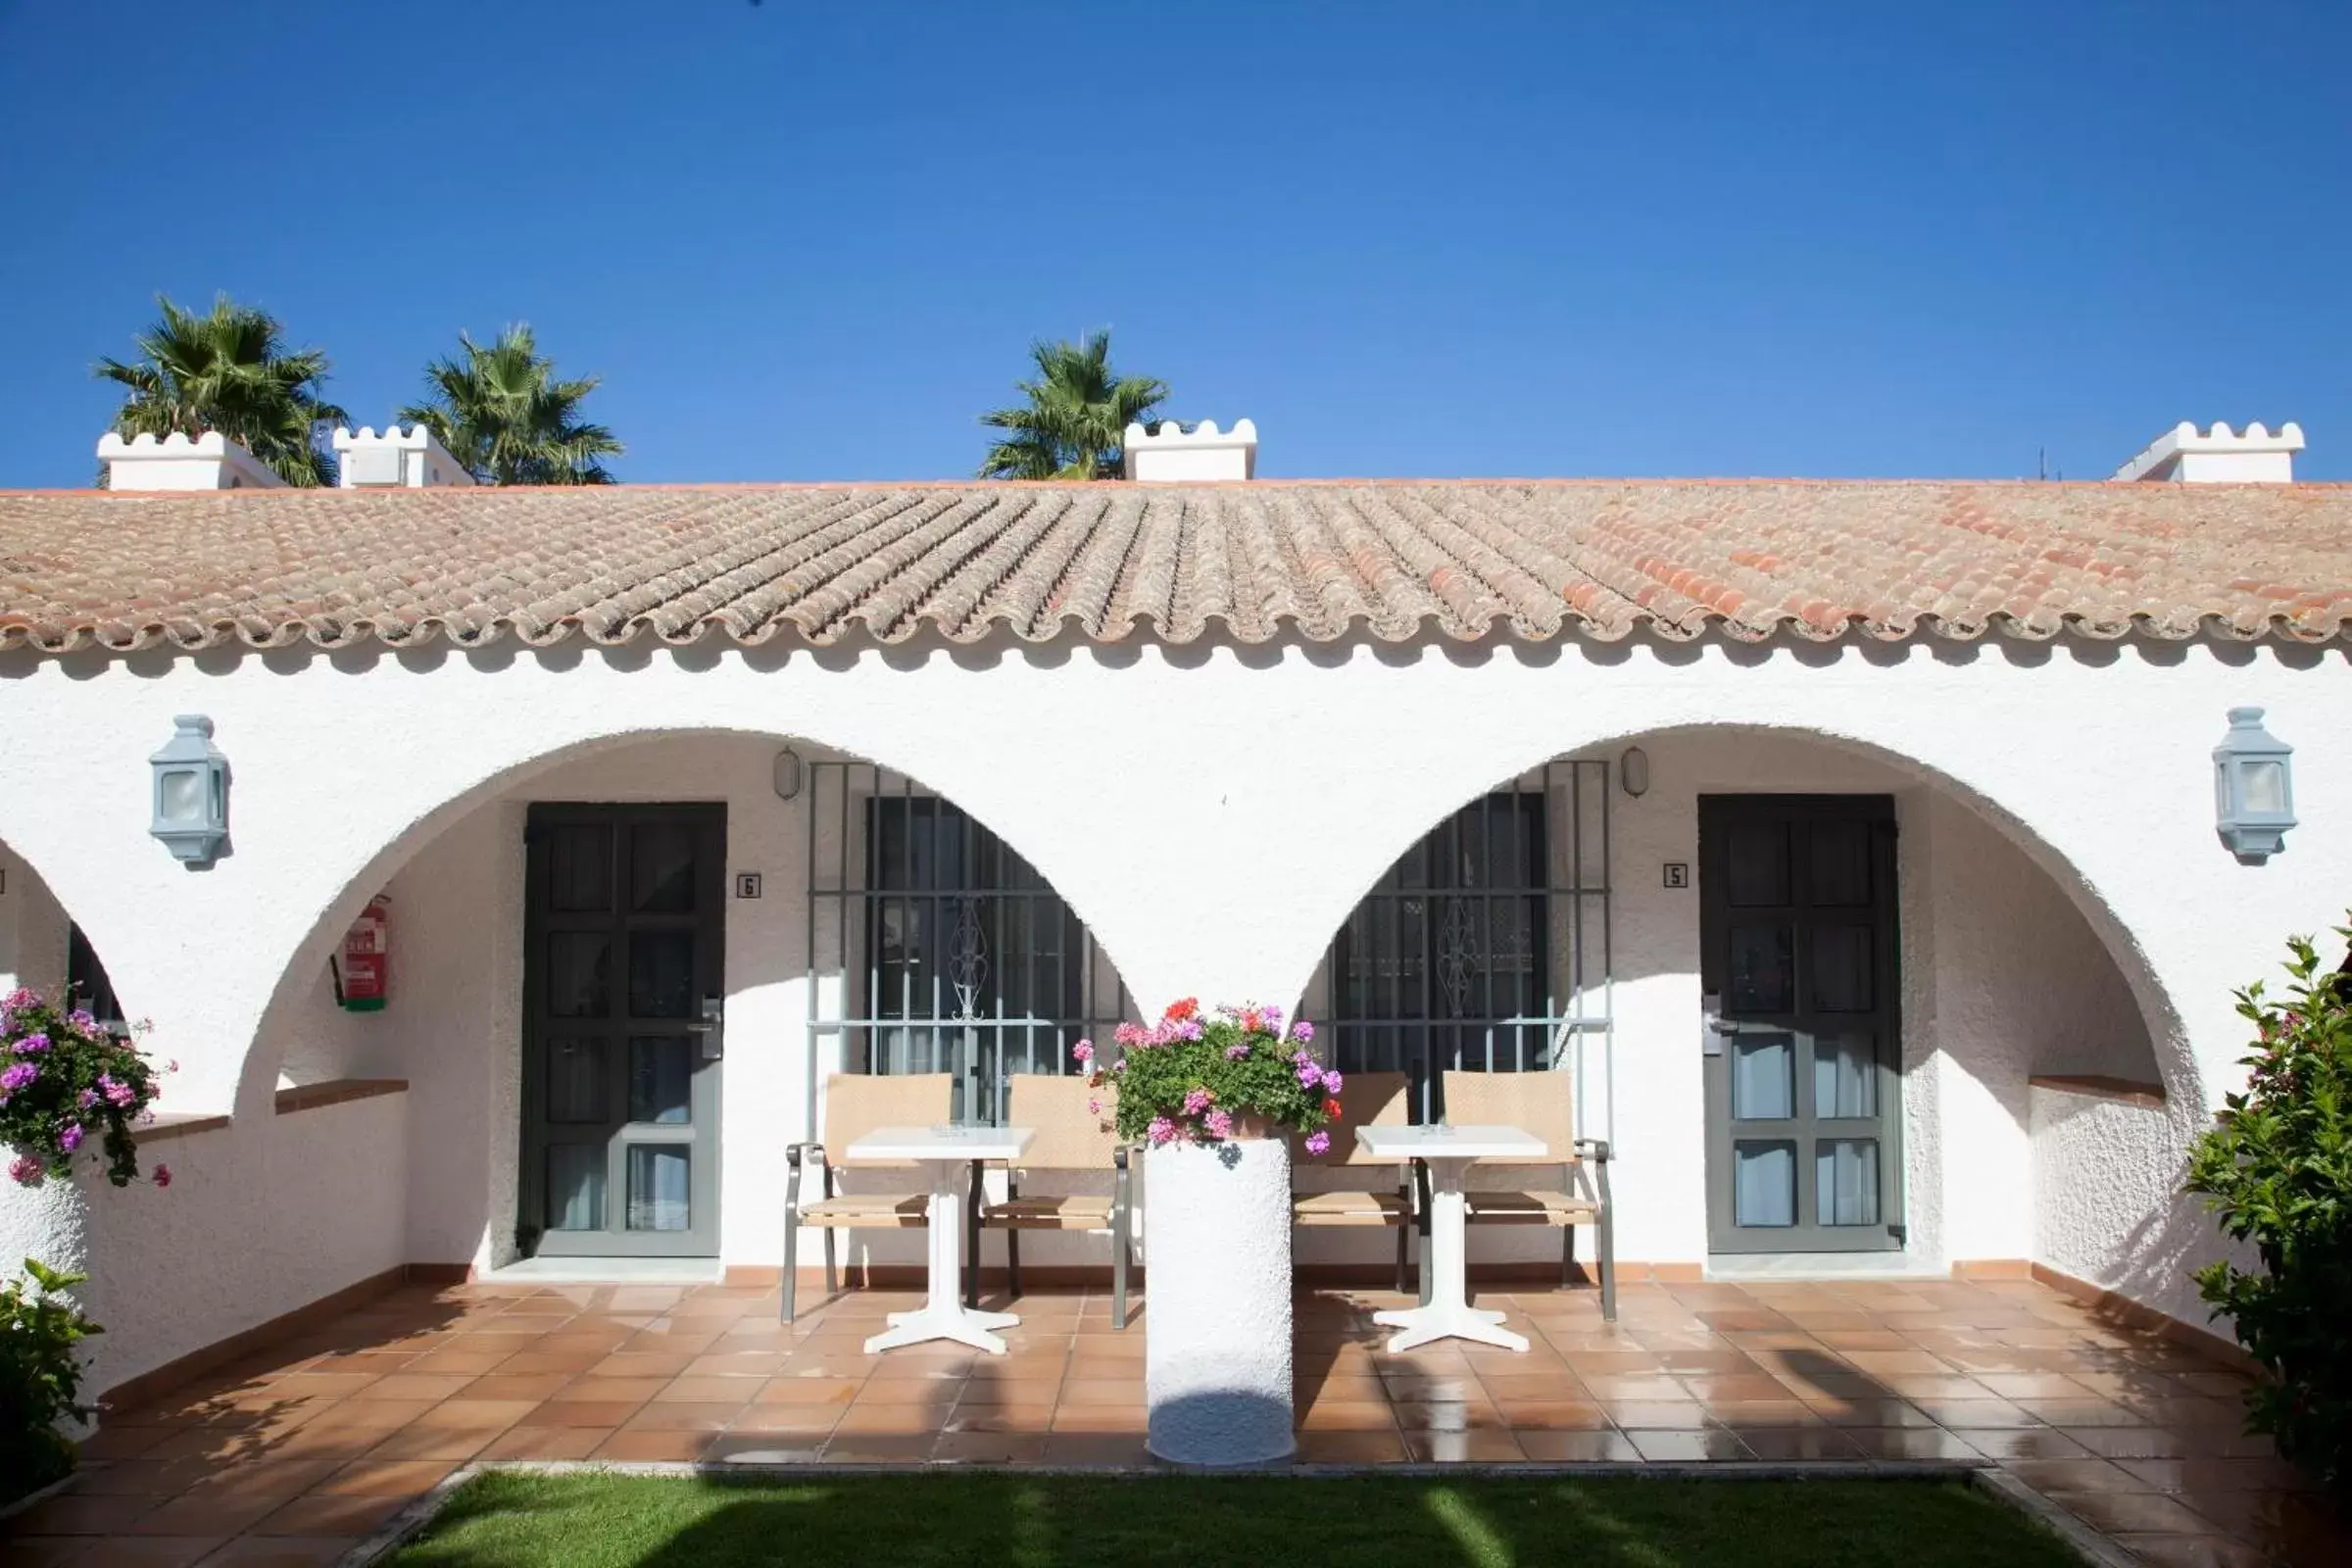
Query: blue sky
{"points": [[808, 241]]}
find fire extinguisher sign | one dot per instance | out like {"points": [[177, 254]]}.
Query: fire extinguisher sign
{"points": [[364, 971]]}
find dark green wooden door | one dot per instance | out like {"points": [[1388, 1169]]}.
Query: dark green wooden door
{"points": [[1802, 1041], [624, 977]]}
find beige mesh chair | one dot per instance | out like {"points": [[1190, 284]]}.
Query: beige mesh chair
{"points": [[1539, 1102], [1069, 1138], [1370, 1100], [856, 1104]]}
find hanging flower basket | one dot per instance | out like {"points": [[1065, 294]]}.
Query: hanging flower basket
{"points": [[1233, 1074], [68, 1090]]}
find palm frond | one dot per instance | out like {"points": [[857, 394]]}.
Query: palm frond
{"points": [[499, 410], [1072, 419]]}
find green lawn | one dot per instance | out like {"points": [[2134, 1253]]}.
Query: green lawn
{"points": [[930, 1521]]}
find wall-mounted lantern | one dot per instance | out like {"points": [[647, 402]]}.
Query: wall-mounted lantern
{"points": [[788, 773], [2253, 788], [191, 791], [1632, 771]]}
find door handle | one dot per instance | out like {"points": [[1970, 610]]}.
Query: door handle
{"points": [[711, 1025]]}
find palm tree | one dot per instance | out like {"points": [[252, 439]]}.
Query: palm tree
{"points": [[501, 413], [229, 372], [1076, 418]]}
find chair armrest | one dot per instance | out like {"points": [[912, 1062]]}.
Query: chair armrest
{"points": [[1598, 1147]]}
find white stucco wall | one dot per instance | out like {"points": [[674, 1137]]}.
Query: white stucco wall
{"points": [[1224, 877]]}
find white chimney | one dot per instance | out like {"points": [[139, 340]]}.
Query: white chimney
{"points": [[394, 460], [2181, 455], [1199, 456], [210, 461]]}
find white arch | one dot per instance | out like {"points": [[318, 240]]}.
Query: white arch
{"points": [[2159, 1014]]}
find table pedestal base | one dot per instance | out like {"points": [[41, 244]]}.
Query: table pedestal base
{"points": [[1449, 1314], [943, 1316], [1418, 1325]]}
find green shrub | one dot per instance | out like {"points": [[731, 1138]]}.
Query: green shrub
{"points": [[2276, 1168], [40, 1378]]}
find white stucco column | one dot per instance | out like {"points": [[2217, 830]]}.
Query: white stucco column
{"points": [[1217, 1322]]}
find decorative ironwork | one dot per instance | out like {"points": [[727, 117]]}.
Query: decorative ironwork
{"points": [[933, 947], [1487, 945], [967, 959]]}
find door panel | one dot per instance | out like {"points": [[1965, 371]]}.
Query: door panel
{"points": [[625, 967], [1801, 1039]]}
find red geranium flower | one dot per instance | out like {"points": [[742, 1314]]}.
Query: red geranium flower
{"points": [[1331, 1108], [1178, 1012]]}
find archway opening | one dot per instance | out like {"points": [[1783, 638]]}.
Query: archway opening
{"points": [[620, 978], [1803, 986]]}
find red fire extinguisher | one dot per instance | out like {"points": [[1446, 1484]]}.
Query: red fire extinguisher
{"points": [[367, 962]]}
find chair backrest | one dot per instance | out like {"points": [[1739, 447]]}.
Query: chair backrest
{"points": [[1539, 1102], [1070, 1137], [858, 1102], [1366, 1100]]}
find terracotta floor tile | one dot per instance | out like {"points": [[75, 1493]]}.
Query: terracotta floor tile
{"points": [[685, 1415], [544, 1443], [370, 1478], [112, 1442], [1869, 1413], [1090, 1449], [1682, 1445], [1659, 1415], [416, 1385], [1578, 1448], [1346, 1416], [76, 1513], [739, 1390], [1351, 1448], [1653, 1387], [2193, 1551], [2145, 1512], [266, 1479], [149, 1551], [2218, 1475], [1741, 1414], [627, 1363], [2021, 1443], [1081, 1390], [533, 1386], [141, 1478], [1787, 1444], [2083, 1474], [892, 1420], [1412, 1387], [1719, 1387], [206, 1511], [936, 1393], [1552, 1415], [331, 1514], [1481, 1447], [607, 1413], [282, 1551], [1100, 1418], [1037, 1417], [1449, 1415], [1909, 1442]]}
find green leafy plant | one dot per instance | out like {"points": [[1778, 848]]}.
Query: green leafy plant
{"points": [[1194, 1078], [41, 1377], [501, 410], [2276, 1168], [230, 370], [69, 1090], [1072, 419]]}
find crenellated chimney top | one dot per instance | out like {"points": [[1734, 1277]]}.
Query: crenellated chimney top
{"points": [[2181, 455], [1202, 455], [209, 461], [397, 459]]}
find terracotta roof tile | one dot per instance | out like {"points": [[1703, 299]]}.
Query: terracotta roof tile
{"points": [[1750, 559]]}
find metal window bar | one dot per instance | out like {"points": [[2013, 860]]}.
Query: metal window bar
{"points": [[933, 947], [1487, 946]]}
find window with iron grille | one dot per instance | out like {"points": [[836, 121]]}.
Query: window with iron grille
{"points": [[935, 948], [1486, 947]]}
